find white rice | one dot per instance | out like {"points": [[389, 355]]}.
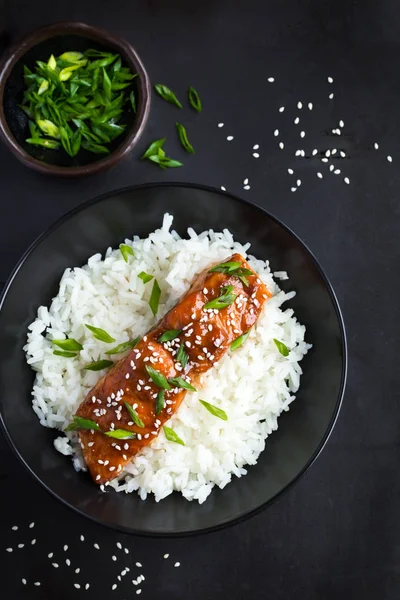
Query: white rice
{"points": [[253, 384]]}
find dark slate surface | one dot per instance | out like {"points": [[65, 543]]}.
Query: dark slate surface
{"points": [[337, 533]]}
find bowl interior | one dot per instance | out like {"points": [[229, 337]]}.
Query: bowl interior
{"points": [[14, 89], [105, 222]]}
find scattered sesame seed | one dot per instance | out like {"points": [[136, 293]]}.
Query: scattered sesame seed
{"points": [[166, 555], [37, 583], [127, 552], [324, 160], [271, 79], [346, 180], [139, 591], [77, 570], [319, 175], [331, 96], [114, 586], [299, 105], [256, 146], [127, 376], [331, 167], [87, 586], [55, 565], [21, 545], [334, 151], [293, 189], [341, 123], [138, 564], [276, 132], [245, 181], [177, 564], [328, 153], [23, 581], [281, 145], [256, 155], [67, 562], [282, 108], [220, 124], [114, 557], [229, 138], [376, 146], [297, 153], [330, 80], [14, 527], [298, 182], [336, 172], [78, 587], [290, 171], [9, 549], [246, 187], [223, 188], [65, 548], [96, 546], [342, 154], [390, 159], [314, 152], [32, 525], [310, 106], [33, 542], [302, 134], [296, 121], [50, 555]]}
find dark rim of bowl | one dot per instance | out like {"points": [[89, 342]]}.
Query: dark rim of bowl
{"points": [[97, 35], [246, 515]]}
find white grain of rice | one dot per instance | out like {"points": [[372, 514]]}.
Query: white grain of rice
{"points": [[253, 386]]}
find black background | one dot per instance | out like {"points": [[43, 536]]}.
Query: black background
{"points": [[337, 533]]}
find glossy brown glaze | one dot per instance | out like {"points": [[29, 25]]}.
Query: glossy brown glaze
{"points": [[206, 335]]}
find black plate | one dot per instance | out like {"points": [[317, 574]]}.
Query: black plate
{"points": [[106, 221]]}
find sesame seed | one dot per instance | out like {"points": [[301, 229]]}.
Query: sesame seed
{"points": [[342, 154], [334, 151], [299, 105], [78, 587], [297, 153], [50, 555], [67, 562], [114, 586], [310, 106], [341, 123], [127, 552], [328, 153], [37, 583], [336, 172], [298, 183], [331, 167], [138, 564], [390, 159], [87, 586], [119, 545], [296, 121], [256, 155], [96, 546], [281, 145], [330, 80], [276, 132], [319, 175], [9, 549], [166, 555], [314, 152], [33, 542], [55, 565], [302, 134], [282, 108], [256, 146], [32, 525], [331, 96], [223, 188], [376, 146], [21, 545], [324, 160], [271, 79], [77, 570], [139, 591], [229, 138], [14, 527], [114, 557], [65, 548], [245, 181], [23, 581], [293, 189], [127, 376], [346, 180], [220, 124], [177, 564], [246, 187]]}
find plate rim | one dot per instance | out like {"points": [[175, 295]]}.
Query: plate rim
{"points": [[339, 401]]}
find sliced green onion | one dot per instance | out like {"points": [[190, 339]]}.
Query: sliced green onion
{"points": [[100, 334], [182, 356], [155, 297], [214, 410], [98, 365], [167, 94], [240, 340], [65, 354], [145, 277], [81, 423], [172, 436], [194, 99], [135, 417], [126, 252], [160, 402], [158, 378], [183, 138], [283, 349], [123, 347], [169, 335], [179, 382], [120, 434], [69, 344]]}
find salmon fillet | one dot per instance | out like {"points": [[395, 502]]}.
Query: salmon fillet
{"points": [[205, 334]]}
